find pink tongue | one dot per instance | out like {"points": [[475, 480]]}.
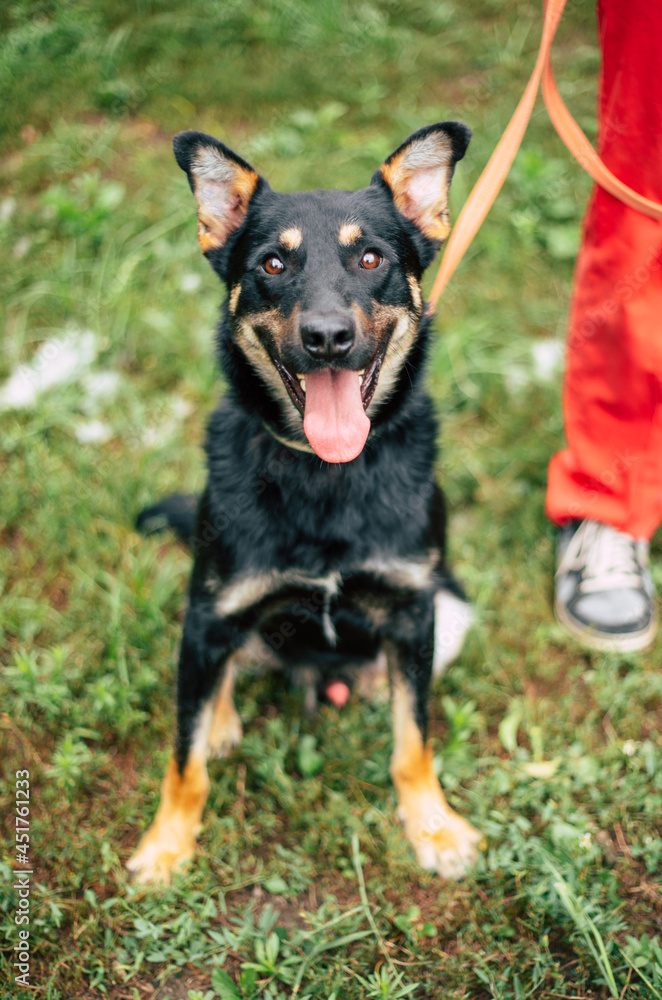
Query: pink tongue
{"points": [[334, 420]]}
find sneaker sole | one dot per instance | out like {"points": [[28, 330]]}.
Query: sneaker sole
{"points": [[624, 642]]}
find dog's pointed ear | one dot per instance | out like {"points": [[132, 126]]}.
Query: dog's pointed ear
{"points": [[419, 172], [223, 185]]}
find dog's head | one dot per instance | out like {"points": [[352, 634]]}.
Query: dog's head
{"points": [[324, 297]]}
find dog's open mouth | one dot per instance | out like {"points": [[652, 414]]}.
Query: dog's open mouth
{"points": [[333, 403]]}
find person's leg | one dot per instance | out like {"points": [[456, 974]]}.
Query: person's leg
{"points": [[611, 470]]}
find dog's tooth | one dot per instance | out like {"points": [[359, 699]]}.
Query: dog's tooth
{"points": [[361, 372], [302, 382]]}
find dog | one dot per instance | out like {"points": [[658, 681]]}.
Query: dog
{"points": [[319, 541]]}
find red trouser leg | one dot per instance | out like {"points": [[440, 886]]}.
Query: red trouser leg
{"points": [[611, 470]]}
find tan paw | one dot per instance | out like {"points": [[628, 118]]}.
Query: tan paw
{"points": [[226, 734], [442, 840], [159, 854]]}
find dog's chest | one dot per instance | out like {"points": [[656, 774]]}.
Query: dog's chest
{"points": [[279, 510], [327, 610]]}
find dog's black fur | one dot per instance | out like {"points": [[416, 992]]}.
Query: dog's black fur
{"points": [[336, 559]]}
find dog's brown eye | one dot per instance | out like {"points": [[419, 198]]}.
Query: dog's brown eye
{"points": [[371, 259], [273, 264]]}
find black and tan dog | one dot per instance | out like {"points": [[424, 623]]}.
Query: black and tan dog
{"points": [[319, 540]]}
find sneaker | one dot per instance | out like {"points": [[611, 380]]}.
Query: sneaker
{"points": [[604, 594]]}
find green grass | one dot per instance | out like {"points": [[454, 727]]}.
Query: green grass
{"points": [[303, 884]]}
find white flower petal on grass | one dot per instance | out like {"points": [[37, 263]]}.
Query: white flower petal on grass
{"points": [[630, 748], [157, 436], [7, 208], [21, 247], [100, 387], [541, 768], [18, 392], [175, 410], [93, 432], [181, 408], [56, 361], [516, 377], [547, 358], [190, 282]]}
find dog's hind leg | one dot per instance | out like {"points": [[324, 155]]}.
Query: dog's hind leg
{"points": [[225, 732], [207, 644], [442, 840], [453, 613], [453, 617]]}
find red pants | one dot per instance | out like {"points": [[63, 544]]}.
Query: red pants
{"points": [[611, 470]]}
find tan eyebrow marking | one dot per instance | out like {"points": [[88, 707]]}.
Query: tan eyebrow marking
{"points": [[349, 233], [291, 238], [234, 297]]}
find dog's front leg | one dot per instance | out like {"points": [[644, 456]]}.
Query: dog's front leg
{"points": [[204, 681], [442, 840]]}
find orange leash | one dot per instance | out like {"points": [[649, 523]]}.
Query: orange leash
{"points": [[491, 180]]}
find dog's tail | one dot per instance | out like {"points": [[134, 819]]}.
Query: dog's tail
{"points": [[177, 512]]}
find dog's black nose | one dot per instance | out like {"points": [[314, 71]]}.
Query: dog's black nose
{"points": [[327, 336]]}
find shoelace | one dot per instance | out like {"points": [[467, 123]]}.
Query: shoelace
{"points": [[606, 557]]}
